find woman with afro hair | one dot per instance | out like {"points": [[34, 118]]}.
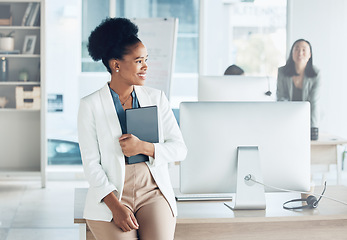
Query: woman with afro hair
{"points": [[126, 201]]}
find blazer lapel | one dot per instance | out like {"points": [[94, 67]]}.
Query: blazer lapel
{"points": [[110, 111], [142, 96], [114, 126]]}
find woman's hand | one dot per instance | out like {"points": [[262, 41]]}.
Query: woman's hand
{"points": [[131, 145], [124, 218]]}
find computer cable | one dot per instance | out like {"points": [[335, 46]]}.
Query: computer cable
{"points": [[268, 93], [311, 200]]}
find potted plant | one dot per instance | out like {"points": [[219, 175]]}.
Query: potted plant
{"points": [[7, 41]]}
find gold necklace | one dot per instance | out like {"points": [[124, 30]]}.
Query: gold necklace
{"points": [[125, 100]]}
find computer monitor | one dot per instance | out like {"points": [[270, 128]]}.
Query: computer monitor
{"points": [[213, 132], [236, 88]]}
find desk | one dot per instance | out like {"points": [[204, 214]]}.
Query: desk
{"points": [[213, 220], [328, 150]]}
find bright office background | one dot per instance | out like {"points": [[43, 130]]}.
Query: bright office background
{"points": [[212, 35]]}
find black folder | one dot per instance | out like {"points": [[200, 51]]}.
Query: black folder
{"points": [[143, 123]]}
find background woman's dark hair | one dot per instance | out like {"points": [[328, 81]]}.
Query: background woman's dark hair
{"points": [[112, 39], [289, 68], [234, 70]]}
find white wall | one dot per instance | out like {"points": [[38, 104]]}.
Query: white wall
{"points": [[324, 24]]}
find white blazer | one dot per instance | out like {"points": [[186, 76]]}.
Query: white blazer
{"points": [[102, 157]]}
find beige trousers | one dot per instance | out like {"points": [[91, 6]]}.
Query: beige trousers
{"points": [[153, 213]]}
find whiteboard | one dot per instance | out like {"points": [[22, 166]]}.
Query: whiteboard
{"points": [[159, 35]]}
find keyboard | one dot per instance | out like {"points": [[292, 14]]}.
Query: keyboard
{"points": [[202, 196]]}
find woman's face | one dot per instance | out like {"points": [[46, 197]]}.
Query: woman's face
{"points": [[301, 53], [133, 66]]}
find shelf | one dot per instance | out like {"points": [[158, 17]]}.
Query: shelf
{"points": [[19, 173], [24, 127], [18, 110], [20, 27], [20, 83], [20, 55]]}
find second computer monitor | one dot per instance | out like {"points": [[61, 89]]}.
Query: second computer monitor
{"points": [[213, 131], [236, 88]]}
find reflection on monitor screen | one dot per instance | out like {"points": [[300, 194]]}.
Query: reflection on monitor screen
{"points": [[236, 88], [213, 132]]}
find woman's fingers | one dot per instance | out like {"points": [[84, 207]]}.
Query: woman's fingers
{"points": [[124, 136], [125, 219], [129, 225], [130, 144], [134, 222]]}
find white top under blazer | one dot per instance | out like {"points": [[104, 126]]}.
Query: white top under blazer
{"points": [[102, 157]]}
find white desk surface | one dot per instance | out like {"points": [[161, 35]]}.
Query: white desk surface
{"points": [[216, 211], [214, 220], [189, 212], [328, 139]]}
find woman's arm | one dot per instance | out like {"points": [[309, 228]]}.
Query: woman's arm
{"points": [[173, 148], [314, 101], [96, 176], [88, 142]]}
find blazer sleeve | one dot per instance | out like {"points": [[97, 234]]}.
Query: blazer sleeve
{"points": [[314, 97], [87, 137], [172, 148], [282, 89]]}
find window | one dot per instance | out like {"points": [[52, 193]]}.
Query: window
{"points": [[186, 11], [259, 36], [93, 12], [250, 34]]}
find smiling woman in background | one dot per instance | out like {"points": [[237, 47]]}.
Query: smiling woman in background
{"points": [[299, 80]]}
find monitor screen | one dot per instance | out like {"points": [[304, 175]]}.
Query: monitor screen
{"points": [[236, 88], [213, 131]]}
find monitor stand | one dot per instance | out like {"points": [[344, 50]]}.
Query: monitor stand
{"points": [[249, 195]]}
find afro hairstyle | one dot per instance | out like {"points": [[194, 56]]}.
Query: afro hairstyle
{"points": [[111, 39]]}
